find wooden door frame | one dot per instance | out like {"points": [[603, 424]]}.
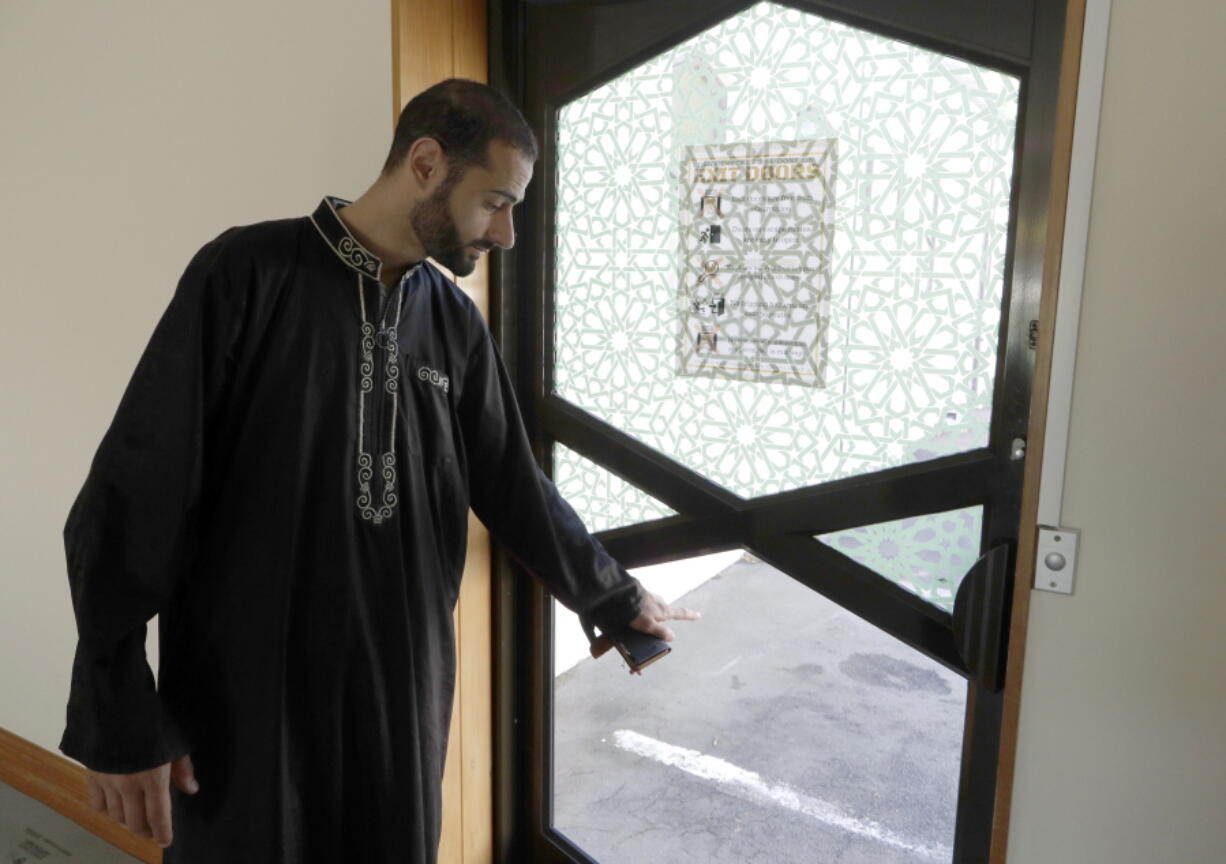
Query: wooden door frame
{"points": [[1061, 161], [433, 40]]}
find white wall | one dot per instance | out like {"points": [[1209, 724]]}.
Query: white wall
{"points": [[133, 131], [1122, 749]]}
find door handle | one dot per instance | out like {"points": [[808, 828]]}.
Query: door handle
{"points": [[981, 615]]}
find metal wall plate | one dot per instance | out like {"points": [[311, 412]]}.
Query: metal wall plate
{"points": [[1055, 560]]}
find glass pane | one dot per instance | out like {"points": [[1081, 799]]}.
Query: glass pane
{"points": [[928, 555], [781, 728], [601, 498], [830, 310]]}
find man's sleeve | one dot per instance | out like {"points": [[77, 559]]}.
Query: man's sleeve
{"points": [[521, 506], [130, 533]]}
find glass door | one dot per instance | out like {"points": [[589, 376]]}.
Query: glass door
{"points": [[774, 318]]}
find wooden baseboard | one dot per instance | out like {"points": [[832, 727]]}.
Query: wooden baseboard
{"points": [[59, 783]]}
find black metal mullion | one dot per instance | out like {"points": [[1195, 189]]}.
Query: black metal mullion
{"points": [[869, 500], [558, 847], [644, 467], [866, 594], [674, 538], [977, 801], [917, 489], [593, 46], [980, 757], [833, 564], [597, 38], [683, 536], [931, 25], [513, 704]]}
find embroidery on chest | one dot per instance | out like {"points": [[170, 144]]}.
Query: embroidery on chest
{"points": [[433, 376], [379, 359]]}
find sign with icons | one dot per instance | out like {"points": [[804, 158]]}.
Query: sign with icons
{"points": [[757, 226]]}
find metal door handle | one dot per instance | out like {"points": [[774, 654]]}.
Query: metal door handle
{"points": [[981, 615]]}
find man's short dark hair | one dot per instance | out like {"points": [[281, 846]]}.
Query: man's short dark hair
{"points": [[463, 117]]}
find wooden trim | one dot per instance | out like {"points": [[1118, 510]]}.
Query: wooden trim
{"points": [[433, 40], [60, 784], [475, 686], [450, 846], [1062, 147], [470, 40], [398, 37], [421, 47]]}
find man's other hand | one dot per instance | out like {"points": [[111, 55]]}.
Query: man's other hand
{"points": [[655, 611], [141, 801]]}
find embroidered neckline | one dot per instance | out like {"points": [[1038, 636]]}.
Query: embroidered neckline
{"points": [[379, 358], [329, 225]]}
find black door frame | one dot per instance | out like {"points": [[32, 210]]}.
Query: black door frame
{"points": [[777, 528]]}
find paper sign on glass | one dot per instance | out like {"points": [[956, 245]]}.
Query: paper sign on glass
{"points": [[757, 223]]}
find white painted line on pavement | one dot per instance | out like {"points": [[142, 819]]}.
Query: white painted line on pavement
{"points": [[750, 785]]}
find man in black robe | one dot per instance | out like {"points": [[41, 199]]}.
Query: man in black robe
{"points": [[286, 481]]}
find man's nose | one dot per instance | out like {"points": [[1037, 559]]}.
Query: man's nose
{"points": [[502, 232]]}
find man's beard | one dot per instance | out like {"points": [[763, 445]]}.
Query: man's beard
{"points": [[437, 231]]}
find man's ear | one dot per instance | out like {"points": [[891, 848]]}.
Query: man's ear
{"points": [[426, 164]]}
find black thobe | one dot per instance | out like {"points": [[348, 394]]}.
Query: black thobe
{"points": [[287, 481]]}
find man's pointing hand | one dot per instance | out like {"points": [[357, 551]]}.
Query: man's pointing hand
{"points": [[655, 611]]}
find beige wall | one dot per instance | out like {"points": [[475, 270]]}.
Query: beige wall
{"points": [[1122, 747], [133, 131]]}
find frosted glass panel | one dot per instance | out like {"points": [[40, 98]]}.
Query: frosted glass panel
{"points": [[928, 555], [897, 272], [602, 499]]}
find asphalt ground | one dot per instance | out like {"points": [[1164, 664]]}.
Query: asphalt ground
{"points": [[780, 729]]}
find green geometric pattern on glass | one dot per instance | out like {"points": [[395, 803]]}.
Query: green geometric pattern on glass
{"points": [[926, 146], [602, 499], [927, 555]]}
